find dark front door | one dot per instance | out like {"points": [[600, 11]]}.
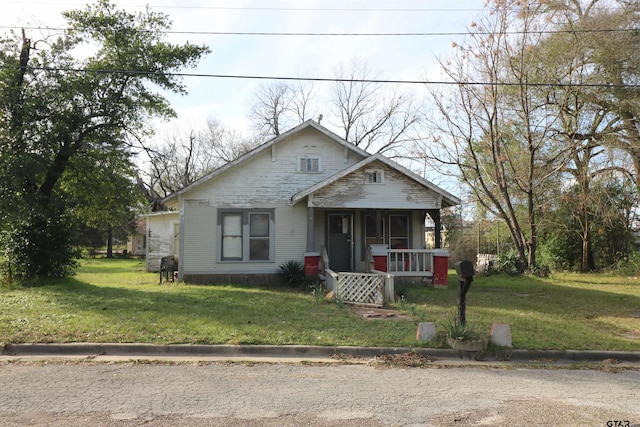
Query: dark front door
{"points": [[339, 247]]}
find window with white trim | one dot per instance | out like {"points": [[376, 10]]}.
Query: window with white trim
{"points": [[246, 234], [309, 164], [374, 176]]}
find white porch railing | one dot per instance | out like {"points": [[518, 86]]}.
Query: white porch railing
{"points": [[410, 262]]}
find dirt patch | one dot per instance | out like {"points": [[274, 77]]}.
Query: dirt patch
{"points": [[373, 313]]}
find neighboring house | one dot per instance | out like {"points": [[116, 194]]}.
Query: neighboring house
{"points": [[304, 193], [137, 242]]}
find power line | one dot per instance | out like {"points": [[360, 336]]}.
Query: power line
{"points": [[326, 79], [270, 8], [379, 34]]}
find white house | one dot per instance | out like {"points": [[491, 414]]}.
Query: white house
{"points": [[304, 193]]}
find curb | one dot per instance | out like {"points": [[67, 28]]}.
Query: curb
{"points": [[293, 351]]}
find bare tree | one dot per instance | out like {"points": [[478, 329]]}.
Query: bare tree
{"points": [[182, 158], [492, 127], [372, 116], [270, 107], [278, 106], [224, 145], [302, 101]]}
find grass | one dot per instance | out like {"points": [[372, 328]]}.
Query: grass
{"points": [[566, 311], [116, 301]]}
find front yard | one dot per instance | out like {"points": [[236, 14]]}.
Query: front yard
{"points": [[116, 301]]}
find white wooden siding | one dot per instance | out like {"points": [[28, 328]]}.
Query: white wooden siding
{"points": [[199, 231], [200, 239], [267, 181], [270, 178], [397, 192]]}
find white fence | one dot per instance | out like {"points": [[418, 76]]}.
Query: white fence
{"points": [[484, 262]]}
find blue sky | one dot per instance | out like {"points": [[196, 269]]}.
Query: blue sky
{"points": [[388, 57]]}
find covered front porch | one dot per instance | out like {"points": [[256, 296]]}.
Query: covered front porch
{"points": [[364, 253], [377, 285], [355, 240], [369, 219]]}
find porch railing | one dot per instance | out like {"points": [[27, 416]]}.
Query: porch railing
{"points": [[410, 262]]}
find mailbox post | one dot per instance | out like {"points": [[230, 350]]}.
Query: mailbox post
{"points": [[465, 272]]}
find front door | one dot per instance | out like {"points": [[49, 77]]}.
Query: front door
{"points": [[339, 247]]}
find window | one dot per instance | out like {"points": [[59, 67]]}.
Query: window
{"points": [[375, 176], [395, 230], [398, 231], [309, 164], [231, 236], [246, 235], [259, 236], [370, 237]]}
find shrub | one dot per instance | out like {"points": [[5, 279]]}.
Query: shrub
{"points": [[38, 245], [540, 270], [508, 263], [628, 266], [292, 273]]}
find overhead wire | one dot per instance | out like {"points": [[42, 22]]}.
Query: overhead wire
{"points": [[268, 8], [376, 34], [325, 79], [332, 34]]}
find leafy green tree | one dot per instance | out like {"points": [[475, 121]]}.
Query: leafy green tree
{"points": [[101, 192], [59, 110], [606, 222]]}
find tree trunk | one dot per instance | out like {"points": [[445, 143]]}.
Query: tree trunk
{"points": [[586, 247], [109, 242]]}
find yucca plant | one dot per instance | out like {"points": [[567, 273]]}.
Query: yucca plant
{"points": [[292, 273]]}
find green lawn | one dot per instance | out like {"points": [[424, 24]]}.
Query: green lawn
{"points": [[116, 301]]}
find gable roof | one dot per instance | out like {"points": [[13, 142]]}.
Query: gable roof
{"points": [[448, 199], [265, 146]]}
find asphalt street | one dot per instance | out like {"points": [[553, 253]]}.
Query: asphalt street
{"points": [[196, 393]]}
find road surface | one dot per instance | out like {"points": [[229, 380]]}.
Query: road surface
{"points": [[280, 394]]}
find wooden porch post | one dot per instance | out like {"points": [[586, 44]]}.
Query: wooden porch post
{"points": [[379, 237], [310, 224], [435, 216]]}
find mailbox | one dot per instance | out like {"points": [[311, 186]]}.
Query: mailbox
{"points": [[464, 270]]}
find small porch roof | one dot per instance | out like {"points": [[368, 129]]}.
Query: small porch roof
{"points": [[447, 199]]}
